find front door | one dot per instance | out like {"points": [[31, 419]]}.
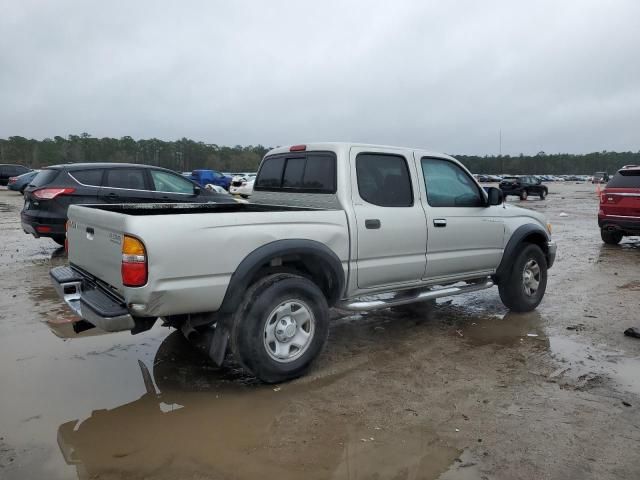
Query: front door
{"points": [[465, 235], [390, 221]]}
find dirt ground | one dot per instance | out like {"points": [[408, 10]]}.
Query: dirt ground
{"points": [[464, 390]]}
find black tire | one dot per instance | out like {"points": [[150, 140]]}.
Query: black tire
{"points": [[513, 289], [244, 196], [248, 343], [543, 194], [611, 237], [524, 195], [59, 239]]}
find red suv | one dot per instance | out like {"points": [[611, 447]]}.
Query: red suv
{"points": [[619, 213]]}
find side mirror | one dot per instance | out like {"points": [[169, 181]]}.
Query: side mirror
{"points": [[196, 190], [494, 196]]}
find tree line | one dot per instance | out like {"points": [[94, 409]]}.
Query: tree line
{"points": [[186, 155], [179, 155], [552, 164]]}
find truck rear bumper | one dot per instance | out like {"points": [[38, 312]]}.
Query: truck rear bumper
{"points": [[90, 301]]}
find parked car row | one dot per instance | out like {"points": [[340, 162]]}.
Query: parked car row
{"points": [[483, 178], [235, 183]]}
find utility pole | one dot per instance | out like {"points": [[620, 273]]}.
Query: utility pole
{"points": [[500, 142]]}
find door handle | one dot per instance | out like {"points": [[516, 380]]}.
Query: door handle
{"points": [[439, 222], [372, 224]]}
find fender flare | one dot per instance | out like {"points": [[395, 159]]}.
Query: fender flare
{"points": [[252, 263], [529, 230]]}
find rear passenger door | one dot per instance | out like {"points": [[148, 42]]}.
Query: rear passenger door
{"points": [[126, 185], [390, 220]]}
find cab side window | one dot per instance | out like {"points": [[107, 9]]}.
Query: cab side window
{"points": [[384, 180], [448, 185]]}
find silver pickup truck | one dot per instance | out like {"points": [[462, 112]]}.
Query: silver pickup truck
{"points": [[358, 227]]}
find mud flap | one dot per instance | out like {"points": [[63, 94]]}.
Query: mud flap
{"points": [[218, 345]]}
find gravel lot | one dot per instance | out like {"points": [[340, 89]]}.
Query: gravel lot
{"points": [[463, 390]]}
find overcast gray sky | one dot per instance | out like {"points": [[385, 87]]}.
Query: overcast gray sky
{"points": [[558, 76]]}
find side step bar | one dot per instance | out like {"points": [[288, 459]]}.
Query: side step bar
{"points": [[427, 294]]}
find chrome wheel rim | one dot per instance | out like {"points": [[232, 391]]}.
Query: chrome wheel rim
{"points": [[288, 331], [531, 277]]}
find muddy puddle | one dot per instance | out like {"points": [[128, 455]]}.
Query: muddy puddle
{"points": [[196, 419]]}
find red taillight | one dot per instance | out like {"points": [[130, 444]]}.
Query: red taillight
{"points": [[134, 274], [43, 229], [12, 180], [51, 193], [134, 262], [298, 148]]}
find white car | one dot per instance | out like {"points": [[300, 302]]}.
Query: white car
{"points": [[242, 185]]}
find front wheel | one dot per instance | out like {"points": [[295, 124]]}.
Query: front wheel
{"points": [[522, 289], [543, 194], [524, 195], [610, 237], [280, 327]]}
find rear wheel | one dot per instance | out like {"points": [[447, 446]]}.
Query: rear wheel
{"points": [[59, 239], [524, 195], [611, 237], [280, 327], [522, 289]]}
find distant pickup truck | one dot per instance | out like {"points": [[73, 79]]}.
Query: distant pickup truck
{"points": [[329, 225]]}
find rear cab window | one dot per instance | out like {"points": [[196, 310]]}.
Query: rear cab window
{"points": [[305, 172]]}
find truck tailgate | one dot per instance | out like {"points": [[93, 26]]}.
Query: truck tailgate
{"points": [[95, 243]]}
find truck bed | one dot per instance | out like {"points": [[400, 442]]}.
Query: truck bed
{"points": [[190, 257]]}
